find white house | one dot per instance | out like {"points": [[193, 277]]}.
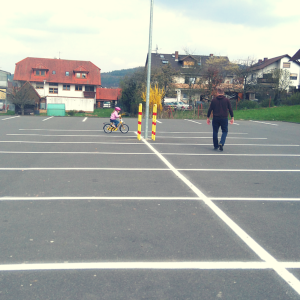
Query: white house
{"points": [[71, 82], [262, 70]]}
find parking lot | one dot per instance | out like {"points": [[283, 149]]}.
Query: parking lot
{"points": [[89, 215]]}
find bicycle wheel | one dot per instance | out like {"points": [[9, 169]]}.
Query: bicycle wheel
{"points": [[124, 128], [107, 128]]}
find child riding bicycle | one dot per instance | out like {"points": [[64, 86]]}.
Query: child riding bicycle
{"points": [[115, 116]]}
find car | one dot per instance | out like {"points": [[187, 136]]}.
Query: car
{"points": [[106, 104], [181, 105]]}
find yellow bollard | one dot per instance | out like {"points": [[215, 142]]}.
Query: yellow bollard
{"points": [[154, 121], [140, 121]]}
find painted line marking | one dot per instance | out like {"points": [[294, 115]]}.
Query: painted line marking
{"points": [[83, 169], [47, 119], [151, 153], [137, 143], [141, 198], [247, 239], [38, 142], [145, 169], [263, 123], [159, 122], [194, 265], [85, 130], [236, 170], [10, 118], [93, 135], [84, 119], [193, 121], [98, 198], [252, 199]]}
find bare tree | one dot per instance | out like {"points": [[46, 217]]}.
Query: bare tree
{"points": [[24, 95]]}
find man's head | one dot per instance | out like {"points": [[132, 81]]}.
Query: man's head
{"points": [[219, 91]]}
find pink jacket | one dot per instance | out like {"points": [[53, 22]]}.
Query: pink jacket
{"points": [[114, 115]]}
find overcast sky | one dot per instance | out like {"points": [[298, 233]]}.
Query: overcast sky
{"points": [[114, 34]]}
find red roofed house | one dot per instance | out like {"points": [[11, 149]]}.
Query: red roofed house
{"points": [[104, 95], [71, 82]]}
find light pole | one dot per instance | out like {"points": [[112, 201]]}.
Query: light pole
{"points": [[149, 70]]}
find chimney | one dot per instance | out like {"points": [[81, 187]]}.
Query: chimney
{"points": [[265, 58], [260, 61], [211, 55], [176, 55]]}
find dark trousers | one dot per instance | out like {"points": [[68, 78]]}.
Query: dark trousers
{"points": [[216, 124]]}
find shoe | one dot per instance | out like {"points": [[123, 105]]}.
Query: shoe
{"points": [[220, 147], [216, 148]]}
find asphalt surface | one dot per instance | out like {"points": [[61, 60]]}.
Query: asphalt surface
{"points": [[89, 215]]}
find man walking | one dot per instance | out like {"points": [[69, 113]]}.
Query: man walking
{"points": [[220, 106]]}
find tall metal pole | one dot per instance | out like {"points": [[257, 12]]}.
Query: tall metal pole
{"points": [[149, 70]]}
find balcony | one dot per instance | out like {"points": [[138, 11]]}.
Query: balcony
{"points": [[89, 94], [266, 80]]}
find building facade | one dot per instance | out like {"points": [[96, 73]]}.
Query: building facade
{"points": [[70, 82]]}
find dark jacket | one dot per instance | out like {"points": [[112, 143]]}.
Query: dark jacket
{"points": [[220, 107]]}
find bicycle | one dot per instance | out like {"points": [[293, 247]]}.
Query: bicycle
{"points": [[108, 127]]}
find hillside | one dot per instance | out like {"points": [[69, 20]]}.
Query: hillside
{"points": [[112, 79]]}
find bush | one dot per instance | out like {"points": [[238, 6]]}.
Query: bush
{"points": [[292, 100], [71, 112], [81, 112], [247, 104], [266, 103]]}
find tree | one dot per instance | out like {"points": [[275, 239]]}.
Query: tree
{"points": [[164, 78], [246, 76], [215, 71], [22, 96], [281, 83], [155, 97], [132, 87]]}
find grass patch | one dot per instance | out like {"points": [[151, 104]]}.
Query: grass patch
{"points": [[99, 112], [280, 113]]}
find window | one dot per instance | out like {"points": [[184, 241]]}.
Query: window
{"points": [[67, 73], [53, 72], [53, 84], [66, 87], [40, 73], [81, 75], [286, 65], [188, 64], [89, 88], [192, 80], [293, 76], [165, 61], [43, 106], [162, 56], [78, 87], [39, 85], [53, 90]]}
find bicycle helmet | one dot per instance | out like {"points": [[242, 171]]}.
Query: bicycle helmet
{"points": [[117, 108]]}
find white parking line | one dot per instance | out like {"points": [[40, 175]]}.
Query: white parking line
{"points": [[247, 239], [84, 119], [143, 198], [47, 118], [137, 143], [159, 122], [193, 121], [194, 265], [93, 135], [264, 123], [10, 118], [253, 199]]}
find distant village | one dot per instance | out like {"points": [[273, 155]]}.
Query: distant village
{"points": [[77, 84]]}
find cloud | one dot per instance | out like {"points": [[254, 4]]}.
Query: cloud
{"points": [[114, 34], [251, 13]]}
